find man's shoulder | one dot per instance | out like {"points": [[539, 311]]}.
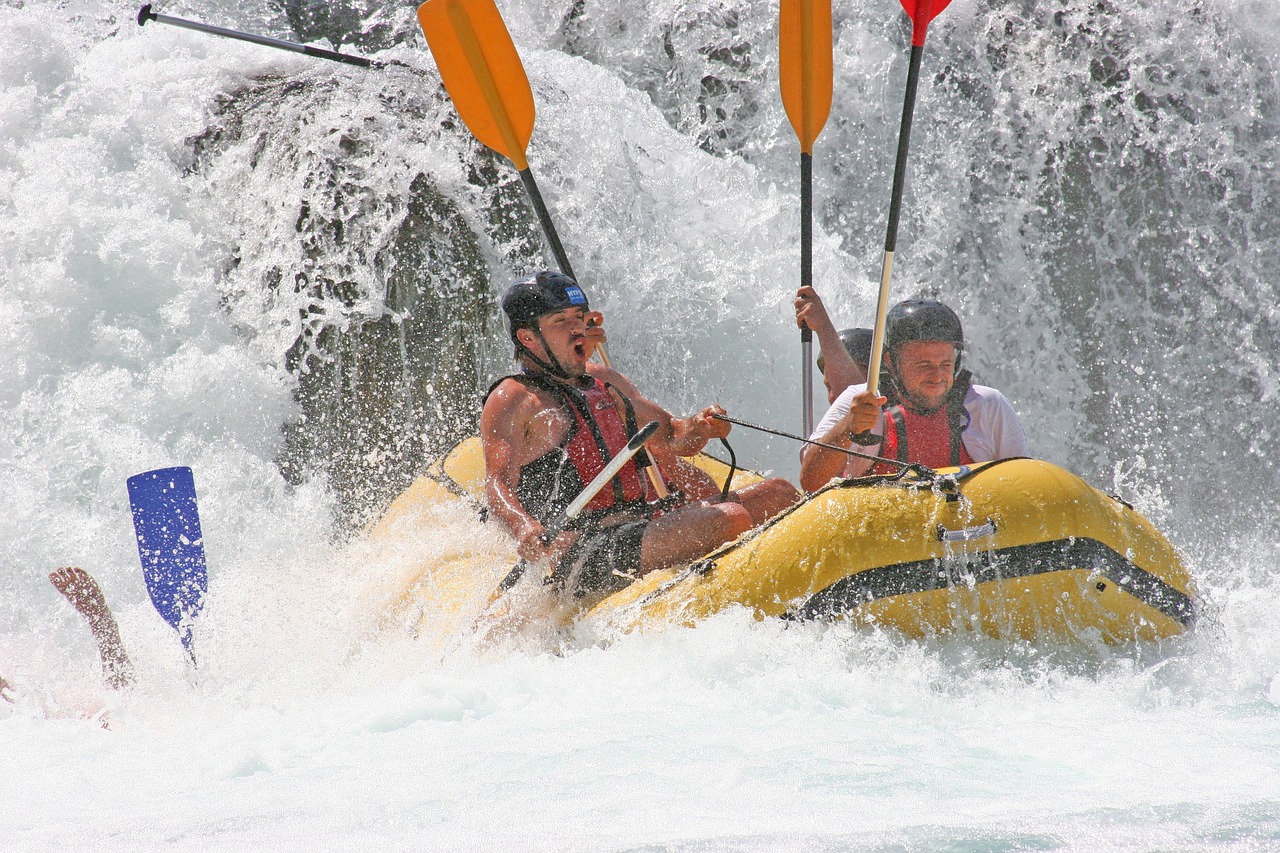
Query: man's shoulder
{"points": [[844, 400], [839, 407], [609, 376], [515, 390], [514, 383], [846, 396], [987, 397], [986, 391]]}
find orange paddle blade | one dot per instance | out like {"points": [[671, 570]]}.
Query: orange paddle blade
{"points": [[482, 72], [804, 69]]}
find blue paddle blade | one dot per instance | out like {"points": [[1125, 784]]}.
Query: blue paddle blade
{"points": [[170, 545]]}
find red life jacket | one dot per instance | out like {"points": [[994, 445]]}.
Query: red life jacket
{"points": [[934, 440], [606, 436], [599, 432]]}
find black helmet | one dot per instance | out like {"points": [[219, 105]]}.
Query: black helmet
{"points": [[538, 295], [922, 320], [857, 342]]}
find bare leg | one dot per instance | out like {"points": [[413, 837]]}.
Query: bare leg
{"points": [[5, 687], [694, 529], [85, 595], [690, 532], [767, 498]]}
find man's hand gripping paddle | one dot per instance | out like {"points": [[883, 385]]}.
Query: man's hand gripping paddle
{"points": [[170, 545], [584, 497], [805, 76], [921, 12]]}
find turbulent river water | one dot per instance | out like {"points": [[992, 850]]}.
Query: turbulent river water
{"points": [[281, 272]]}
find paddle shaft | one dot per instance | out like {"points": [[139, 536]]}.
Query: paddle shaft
{"points": [[895, 210], [584, 497], [608, 473], [544, 219], [806, 280], [562, 260], [553, 239], [145, 14]]}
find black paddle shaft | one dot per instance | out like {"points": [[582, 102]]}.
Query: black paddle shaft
{"points": [[904, 143], [806, 230], [145, 14], [806, 280], [895, 209], [544, 219]]}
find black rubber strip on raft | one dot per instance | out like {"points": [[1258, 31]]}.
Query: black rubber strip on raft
{"points": [[987, 566]]}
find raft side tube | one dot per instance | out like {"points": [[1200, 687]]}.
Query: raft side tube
{"points": [[1040, 551]]}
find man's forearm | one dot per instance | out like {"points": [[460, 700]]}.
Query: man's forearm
{"points": [[819, 464], [830, 341], [503, 503]]}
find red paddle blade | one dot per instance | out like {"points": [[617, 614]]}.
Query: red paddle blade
{"points": [[922, 12], [805, 66], [482, 72]]}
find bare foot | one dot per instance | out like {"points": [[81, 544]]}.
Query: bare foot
{"points": [[86, 596], [82, 591]]}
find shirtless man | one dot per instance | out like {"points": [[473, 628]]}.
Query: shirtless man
{"points": [[550, 429]]}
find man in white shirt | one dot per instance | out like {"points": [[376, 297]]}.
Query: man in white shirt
{"points": [[936, 418]]}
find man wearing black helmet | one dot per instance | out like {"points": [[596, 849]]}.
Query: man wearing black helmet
{"points": [[550, 429], [932, 414]]}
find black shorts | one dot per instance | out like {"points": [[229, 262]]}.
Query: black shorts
{"points": [[604, 560]]}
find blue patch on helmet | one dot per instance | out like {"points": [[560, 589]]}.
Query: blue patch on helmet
{"points": [[576, 296]]}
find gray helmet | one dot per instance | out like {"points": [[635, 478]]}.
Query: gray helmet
{"points": [[922, 320], [857, 342]]}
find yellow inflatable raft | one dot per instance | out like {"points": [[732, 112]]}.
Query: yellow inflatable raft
{"points": [[1014, 549]]}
